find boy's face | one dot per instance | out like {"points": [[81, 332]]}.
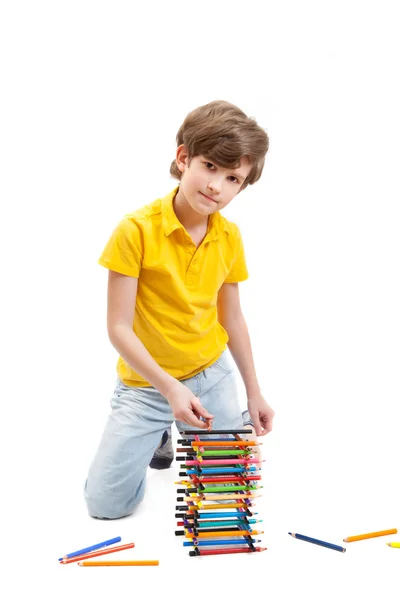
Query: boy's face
{"points": [[207, 187]]}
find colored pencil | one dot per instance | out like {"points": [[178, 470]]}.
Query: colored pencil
{"points": [[94, 547], [220, 488], [118, 563], [220, 462], [238, 514], [223, 533], [235, 542], [195, 444], [366, 536], [216, 506], [305, 538], [393, 544], [201, 432], [224, 523], [231, 479], [66, 561], [224, 551], [227, 496]]}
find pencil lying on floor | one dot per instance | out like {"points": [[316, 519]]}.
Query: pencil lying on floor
{"points": [[305, 538], [118, 563], [366, 536], [94, 547], [66, 561]]}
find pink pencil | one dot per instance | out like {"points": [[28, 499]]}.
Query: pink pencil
{"points": [[241, 461]]}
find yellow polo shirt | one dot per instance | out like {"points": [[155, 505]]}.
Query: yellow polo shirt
{"points": [[176, 304]]}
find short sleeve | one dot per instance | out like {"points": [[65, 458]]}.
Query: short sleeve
{"points": [[124, 250], [238, 271]]}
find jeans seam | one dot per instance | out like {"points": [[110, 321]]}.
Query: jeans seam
{"points": [[219, 381], [198, 378]]}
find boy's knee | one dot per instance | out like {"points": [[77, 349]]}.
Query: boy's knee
{"points": [[109, 505]]}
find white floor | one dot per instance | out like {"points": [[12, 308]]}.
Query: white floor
{"points": [[328, 487]]}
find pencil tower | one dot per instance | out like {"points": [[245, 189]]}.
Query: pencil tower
{"points": [[222, 481]]}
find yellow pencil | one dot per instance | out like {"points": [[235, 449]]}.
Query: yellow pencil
{"points": [[365, 536], [118, 563], [226, 506], [393, 544]]}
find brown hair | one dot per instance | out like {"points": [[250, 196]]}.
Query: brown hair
{"points": [[224, 134]]}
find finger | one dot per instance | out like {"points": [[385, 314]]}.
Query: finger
{"points": [[190, 418], [257, 426], [203, 412], [267, 425], [209, 424]]}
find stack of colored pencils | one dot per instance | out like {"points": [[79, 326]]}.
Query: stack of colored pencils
{"points": [[222, 481]]}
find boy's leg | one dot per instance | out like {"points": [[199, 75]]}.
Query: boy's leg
{"points": [[115, 483]]}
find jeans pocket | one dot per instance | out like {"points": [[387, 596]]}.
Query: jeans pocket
{"points": [[120, 390], [223, 364]]}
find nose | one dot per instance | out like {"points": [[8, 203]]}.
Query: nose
{"points": [[215, 185]]}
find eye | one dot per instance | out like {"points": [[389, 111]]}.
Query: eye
{"points": [[232, 178], [209, 165]]}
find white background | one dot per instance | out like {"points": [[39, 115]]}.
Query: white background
{"points": [[93, 94]]}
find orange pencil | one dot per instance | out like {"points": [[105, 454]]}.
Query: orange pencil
{"points": [[118, 563], [365, 536], [66, 561], [223, 533]]}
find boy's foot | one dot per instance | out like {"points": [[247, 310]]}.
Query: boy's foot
{"points": [[164, 455]]}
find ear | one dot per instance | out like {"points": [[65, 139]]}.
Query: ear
{"points": [[182, 157]]}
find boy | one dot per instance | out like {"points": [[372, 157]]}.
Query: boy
{"points": [[173, 306]]}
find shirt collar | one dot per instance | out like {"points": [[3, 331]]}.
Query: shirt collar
{"points": [[171, 222]]}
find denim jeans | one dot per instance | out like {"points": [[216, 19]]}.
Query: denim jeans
{"points": [[116, 481]]}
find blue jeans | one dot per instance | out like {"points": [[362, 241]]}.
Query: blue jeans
{"points": [[116, 481]]}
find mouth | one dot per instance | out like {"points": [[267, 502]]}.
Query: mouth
{"points": [[208, 198]]}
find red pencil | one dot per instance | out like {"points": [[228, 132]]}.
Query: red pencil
{"points": [[199, 552], [65, 561]]}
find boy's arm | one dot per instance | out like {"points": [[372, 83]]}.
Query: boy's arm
{"points": [[232, 320], [122, 292]]}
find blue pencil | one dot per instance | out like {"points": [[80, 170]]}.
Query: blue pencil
{"points": [[235, 542], [95, 547], [318, 542], [226, 523], [224, 471]]}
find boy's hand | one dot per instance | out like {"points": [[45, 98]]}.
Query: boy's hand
{"points": [[261, 414], [187, 407]]}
